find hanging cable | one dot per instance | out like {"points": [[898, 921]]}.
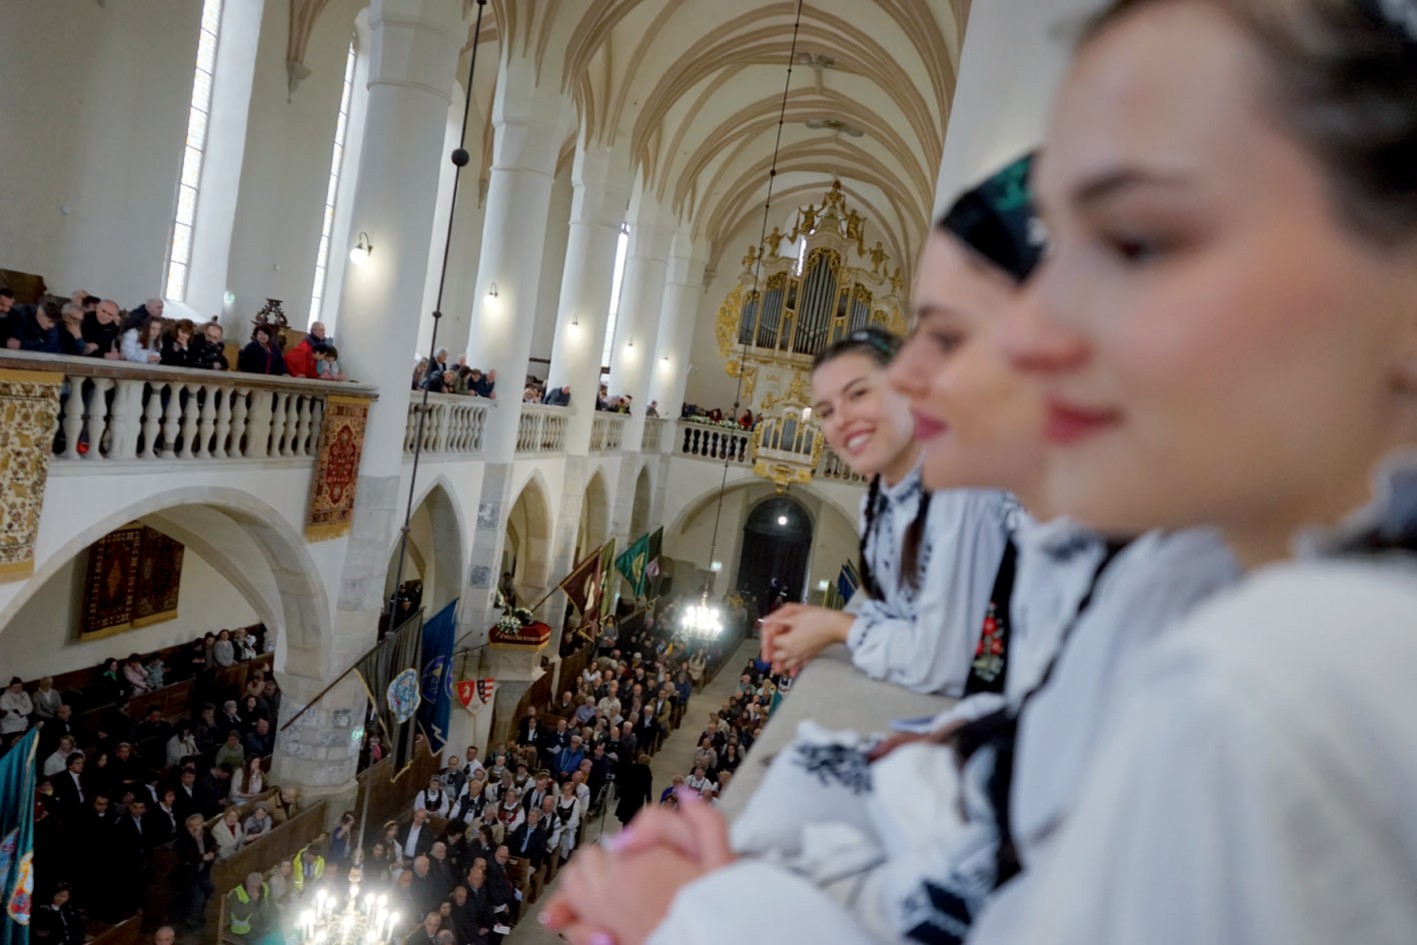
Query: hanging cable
{"points": [[460, 159], [757, 272]]}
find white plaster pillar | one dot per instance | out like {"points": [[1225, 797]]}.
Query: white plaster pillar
{"points": [[412, 61], [683, 294], [602, 191], [527, 119], [642, 292]]}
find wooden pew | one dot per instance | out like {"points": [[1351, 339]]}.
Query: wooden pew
{"points": [[260, 856], [127, 932]]}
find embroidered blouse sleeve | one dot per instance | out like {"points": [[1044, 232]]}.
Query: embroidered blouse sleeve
{"points": [[769, 905], [927, 645]]}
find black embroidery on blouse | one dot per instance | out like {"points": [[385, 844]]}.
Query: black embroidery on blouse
{"points": [[838, 764]]}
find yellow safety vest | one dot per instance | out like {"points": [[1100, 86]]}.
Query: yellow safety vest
{"points": [[242, 925], [298, 865]]}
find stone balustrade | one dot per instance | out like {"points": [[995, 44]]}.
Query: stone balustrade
{"points": [[452, 424], [709, 441], [541, 428], [653, 438], [117, 411], [607, 432], [834, 468]]}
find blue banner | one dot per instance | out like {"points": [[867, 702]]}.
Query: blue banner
{"points": [[17, 784], [846, 582], [435, 710]]}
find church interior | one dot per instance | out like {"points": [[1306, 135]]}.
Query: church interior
{"points": [[606, 239]]}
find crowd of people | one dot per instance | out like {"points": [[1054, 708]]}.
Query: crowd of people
{"points": [[85, 325], [116, 782], [482, 833], [440, 377]]}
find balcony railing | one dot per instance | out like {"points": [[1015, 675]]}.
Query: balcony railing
{"points": [[453, 426], [115, 411], [541, 429], [607, 432], [653, 435], [707, 441], [834, 468]]}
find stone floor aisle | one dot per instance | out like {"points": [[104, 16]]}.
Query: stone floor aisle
{"points": [[674, 757]]}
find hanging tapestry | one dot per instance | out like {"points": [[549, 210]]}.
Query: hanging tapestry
{"points": [[133, 579], [337, 467], [110, 586], [29, 412], [159, 579]]}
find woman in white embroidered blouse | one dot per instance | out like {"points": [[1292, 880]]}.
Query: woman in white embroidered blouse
{"points": [[908, 565], [1225, 333]]}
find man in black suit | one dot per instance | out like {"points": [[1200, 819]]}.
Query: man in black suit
{"points": [[528, 841], [417, 838], [553, 743], [213, 791], [69, 785], [127, 867], [188, 801], [478, 908], [506, 898], [56, 728], [191, 877]]}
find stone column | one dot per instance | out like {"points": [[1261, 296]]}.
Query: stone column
{"points": [[602, 193], [528, 121], [683, 295], [411, 73], [642, 291]]}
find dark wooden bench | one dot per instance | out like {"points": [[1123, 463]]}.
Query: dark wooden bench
{"points": [[127, 932]]}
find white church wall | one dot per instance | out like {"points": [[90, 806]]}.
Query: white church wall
{"points": [[43, 638], [285, 173], [553, 263], [95, 114]]}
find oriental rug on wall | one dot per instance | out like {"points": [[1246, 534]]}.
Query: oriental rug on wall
{"points": [[337, 467], [133, 578], [29, 409]]}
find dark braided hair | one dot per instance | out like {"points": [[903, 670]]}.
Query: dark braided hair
{"points": [[880, 346]]}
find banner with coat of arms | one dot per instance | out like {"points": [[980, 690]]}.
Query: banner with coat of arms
{"points": [[17, 785], [476, 693], [433, 714], [29, 411], [337, 467]]}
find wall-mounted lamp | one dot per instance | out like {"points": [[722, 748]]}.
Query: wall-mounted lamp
{"points": [[630, 343], [362, 250], [716, 567], [823, 585], [575, 321], [665, 359], [492, 291]]}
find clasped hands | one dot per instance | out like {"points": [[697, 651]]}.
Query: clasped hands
{"points": [[618, 892], [796, 633]]}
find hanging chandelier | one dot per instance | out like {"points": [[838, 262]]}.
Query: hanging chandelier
{"points": [[702, 621], [359, 923]]}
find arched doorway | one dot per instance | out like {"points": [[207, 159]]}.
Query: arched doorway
{"points": [[639, 508], [594, 524], [777, 543], [526, 553]]}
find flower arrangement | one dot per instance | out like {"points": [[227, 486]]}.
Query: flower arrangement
{"points": [[515, 619]]}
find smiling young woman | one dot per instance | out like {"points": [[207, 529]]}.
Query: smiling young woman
{"points": [[921, 553]]}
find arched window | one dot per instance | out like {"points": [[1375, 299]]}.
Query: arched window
{"points": [[179, 254], [622, 247], [327, 226]]}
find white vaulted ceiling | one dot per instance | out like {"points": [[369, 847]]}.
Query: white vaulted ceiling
{"points": [[691, 91]]}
